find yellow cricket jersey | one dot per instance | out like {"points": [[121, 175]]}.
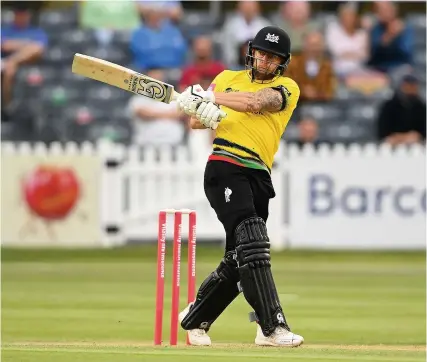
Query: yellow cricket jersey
{"points": [[251, 139]]}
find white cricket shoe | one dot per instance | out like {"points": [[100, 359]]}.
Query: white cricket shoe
{"points": [[281, 337], [197, 337]]}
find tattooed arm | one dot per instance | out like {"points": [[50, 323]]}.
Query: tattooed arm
{"points": [[267, 100]]}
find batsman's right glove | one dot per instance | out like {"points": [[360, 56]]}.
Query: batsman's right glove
{"points": [[209, 114]]}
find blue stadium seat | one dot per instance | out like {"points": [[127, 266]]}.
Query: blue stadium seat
{"points": [[58, 55], [416, 20], [345, 132], [27, 73], [376, 96], [365, 112], [115, 132], [30, 80], [109, 53], [420, 57], [66, 76], [196, 23], [105, 96], [79, 39], [420, 72], [121, 37], [420, 37], [59, 96], [51, 20], [323, 110], [173, 76], [292, 132], [361, 109], [342, 93], [8, 131]]}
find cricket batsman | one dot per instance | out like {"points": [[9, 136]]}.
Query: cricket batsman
{"points": [[258, 103]]}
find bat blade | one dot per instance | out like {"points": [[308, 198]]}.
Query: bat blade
{"points": [[123, 78]]}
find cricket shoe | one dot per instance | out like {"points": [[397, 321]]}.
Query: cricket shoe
{"points": [[281, 337], [196, 337]]}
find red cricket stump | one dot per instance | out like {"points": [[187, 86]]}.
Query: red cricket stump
{"points": [[176, 278], [176, 270], [160, 284], [191, 259]]}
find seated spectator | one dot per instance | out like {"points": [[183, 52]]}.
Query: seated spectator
{"points": [[203, 66], [308, 132], [294, 17], [157, 43], [21, 43], [312, 70], [171, 10], [155, 123], [241, 27], [402, 119], [391, 39], [347, 42]]}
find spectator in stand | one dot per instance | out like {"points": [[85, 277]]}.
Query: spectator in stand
{"points": [[157, 43], [203, 66], [308, 132], [312, 70], [294, 17], [21, 43], [155, 123], [391, 39], [171, 10], [242, 26], [402, 119], [347, 41]]}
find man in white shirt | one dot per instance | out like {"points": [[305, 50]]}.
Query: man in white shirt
{"points": [[155, 123], [241, 27]]}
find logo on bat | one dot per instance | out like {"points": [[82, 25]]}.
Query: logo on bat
{"points": [[147, 87]]}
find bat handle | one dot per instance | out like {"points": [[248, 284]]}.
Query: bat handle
{"points": [[175, 95]]}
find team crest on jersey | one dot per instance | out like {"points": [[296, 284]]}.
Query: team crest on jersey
{"points": [[272, 38]]}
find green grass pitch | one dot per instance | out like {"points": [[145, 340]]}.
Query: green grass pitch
{"points": [[98, 305]]}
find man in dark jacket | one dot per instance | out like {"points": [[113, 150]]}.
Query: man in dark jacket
{"points": [[402, 119]]}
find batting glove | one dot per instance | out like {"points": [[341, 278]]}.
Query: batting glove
{"points": [[209, 114], [189, 100]]}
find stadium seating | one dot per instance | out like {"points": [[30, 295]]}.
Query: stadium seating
{"points": [[58, 96]]}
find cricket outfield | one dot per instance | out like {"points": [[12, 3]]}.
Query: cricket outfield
{"points": [[99, 306]]}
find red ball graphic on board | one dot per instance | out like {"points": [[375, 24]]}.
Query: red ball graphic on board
{"points": [[51, 192]]}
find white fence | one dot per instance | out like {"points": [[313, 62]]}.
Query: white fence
{"points": [[366, 197]]}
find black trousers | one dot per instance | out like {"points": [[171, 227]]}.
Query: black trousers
{"points": [[236, 193]]}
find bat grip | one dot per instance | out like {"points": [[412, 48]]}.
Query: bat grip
{"points": [[175, 95]]}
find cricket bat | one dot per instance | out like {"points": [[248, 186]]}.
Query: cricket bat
{"points": [[125, 78]]}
